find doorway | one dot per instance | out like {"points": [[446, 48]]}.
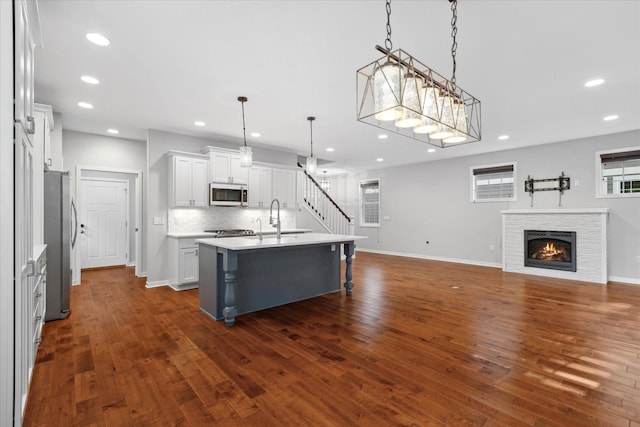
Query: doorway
{"points": [[93, 184]]}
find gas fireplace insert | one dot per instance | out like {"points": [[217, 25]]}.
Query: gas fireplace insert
{"points": [[554, 250]]}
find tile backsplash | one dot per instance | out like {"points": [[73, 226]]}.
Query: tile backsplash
{"points": [[194, 220]]}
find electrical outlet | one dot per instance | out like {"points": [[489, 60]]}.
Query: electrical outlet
{"points": [[576, 182], [492, 247], [637, 258]]}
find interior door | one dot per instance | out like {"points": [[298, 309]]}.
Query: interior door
{"points": [[103, 223]]}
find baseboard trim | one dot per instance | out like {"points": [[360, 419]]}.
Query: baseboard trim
{"points": [[156, 284], [628, 280], [433, 258]]}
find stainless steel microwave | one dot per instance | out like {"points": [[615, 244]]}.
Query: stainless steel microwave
{"points": [[227, 194]]}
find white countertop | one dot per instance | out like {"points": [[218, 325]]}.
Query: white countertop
{"points": [[266, 232], [253, 242], [556, 211]]}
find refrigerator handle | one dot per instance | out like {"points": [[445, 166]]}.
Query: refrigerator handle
{"points": [[75, 229]]}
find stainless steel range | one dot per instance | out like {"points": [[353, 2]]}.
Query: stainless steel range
{"points": [[233, 232]]}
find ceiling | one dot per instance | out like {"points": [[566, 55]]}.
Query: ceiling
{"points": [[171, 63]]}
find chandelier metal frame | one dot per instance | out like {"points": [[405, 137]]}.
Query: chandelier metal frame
{"points": [[415, 93]]}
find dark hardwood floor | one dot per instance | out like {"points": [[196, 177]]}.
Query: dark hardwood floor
{"points": [[419, 343]]}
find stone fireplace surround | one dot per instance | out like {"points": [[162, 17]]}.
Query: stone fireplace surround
{"points": [[590, 225]]}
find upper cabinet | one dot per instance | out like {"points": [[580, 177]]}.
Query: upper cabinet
{"points": [[284, 187], [188, 180], [225, 166], [260, 188], [43, 115], [26, 37]]}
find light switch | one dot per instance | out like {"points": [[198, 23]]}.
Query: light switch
{"points": [[158, 220]]}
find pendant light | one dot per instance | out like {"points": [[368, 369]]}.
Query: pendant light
{"points": [[246, 156], [312, 163], [325, 184], [400, 94]]}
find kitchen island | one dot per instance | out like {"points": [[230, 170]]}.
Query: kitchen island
{"points": [[244, 274]]}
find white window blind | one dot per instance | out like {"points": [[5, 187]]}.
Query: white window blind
{"points": [[620, 172], [494, 183], [370, 203]]}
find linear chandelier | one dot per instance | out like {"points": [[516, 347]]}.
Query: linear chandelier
{"points": [[400, 94]]}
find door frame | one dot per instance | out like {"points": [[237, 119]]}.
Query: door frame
{"points": [[137, 223]]}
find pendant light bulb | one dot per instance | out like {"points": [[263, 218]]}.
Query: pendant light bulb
{"points": [[246, 156]]}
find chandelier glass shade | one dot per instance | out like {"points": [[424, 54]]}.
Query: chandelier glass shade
{"points": [[325, 184], [246, 156], [400, 94]]}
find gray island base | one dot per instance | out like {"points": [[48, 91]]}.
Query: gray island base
{"points": [[244, 274]]}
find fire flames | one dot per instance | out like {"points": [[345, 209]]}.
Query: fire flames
{"points": [[550, 252]]}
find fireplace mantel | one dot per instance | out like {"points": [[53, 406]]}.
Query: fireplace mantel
{"points": [[590, 225]]}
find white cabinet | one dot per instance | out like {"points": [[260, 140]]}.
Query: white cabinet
{"points": [[38, 306], [183, 263], [43, 116], [188, 180], [284, 187], [225, 167], [26, 37], [260, 187]]}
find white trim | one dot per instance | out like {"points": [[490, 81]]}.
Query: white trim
{"points": [[628, 280], [433, 258], [156, 284], [360, 211], [131, 264], [598, 175]]}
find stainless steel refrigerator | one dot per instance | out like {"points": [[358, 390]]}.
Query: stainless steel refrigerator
{"points": [[60, 225]]}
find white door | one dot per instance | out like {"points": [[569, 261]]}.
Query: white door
{"points": [[103, 223]]}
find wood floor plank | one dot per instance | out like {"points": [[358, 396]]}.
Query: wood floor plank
{"points": [[418, 343]]}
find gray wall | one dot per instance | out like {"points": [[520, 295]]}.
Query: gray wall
{"points": [[158, 143], [84, 149], [431, 202]]}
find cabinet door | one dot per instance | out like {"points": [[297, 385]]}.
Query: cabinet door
{"points": [[259, 187], [239, 174], [24, 67], [182, 181], [284, 187], [200, 182], [188, 268], [220, 167]]}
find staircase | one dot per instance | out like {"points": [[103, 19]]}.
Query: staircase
{"points": [[323, 207]]}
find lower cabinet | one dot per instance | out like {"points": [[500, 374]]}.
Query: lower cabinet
{"points": [[38, 306], [183, 261]]}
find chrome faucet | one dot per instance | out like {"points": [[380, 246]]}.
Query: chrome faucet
{"points": [[259, 232], [277, 224]]}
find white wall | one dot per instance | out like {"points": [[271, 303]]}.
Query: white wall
{"points": [[158, 143], [84, 149], [431, 202]]}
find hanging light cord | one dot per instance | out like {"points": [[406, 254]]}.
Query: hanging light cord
{"points": [[387, 42], [454, 31], [311, 119], [242, 99]]}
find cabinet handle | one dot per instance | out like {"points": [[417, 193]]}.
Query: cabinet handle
{"points": [[37, 318], [31, 125], [196, 252], [39, 294], [37, 340]]}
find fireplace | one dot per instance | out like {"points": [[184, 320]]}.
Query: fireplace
{"points": [[554, 250]]}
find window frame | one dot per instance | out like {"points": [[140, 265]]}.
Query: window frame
{"points": [[472, 182], [598, 174], [361, 204]]}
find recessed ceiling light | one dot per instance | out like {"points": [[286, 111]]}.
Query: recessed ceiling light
{"points": [[113, 131], [431, 150], [379, 159], [85, 105], [255, 134], [383, 136], [98, 39], [199, 123], [90, 80], [330, 149], [503, 137], [594, 82], [611, 117]]}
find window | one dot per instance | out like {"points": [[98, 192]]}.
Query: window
{"points": [[618, 173], [370, 203], [494, 183]]}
